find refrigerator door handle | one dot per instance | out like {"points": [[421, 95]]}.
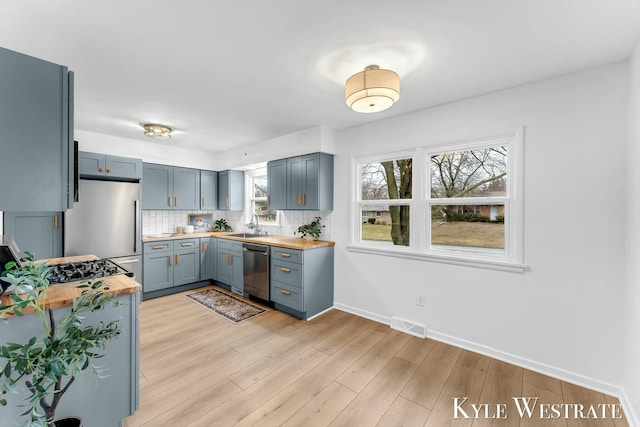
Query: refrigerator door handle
{"points": [[136, 226]]}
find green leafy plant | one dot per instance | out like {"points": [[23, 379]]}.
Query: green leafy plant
{"points": [[47, 365], [221, 225], [313, 229]]}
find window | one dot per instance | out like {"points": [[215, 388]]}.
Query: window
{"points": [[458, 203], [386, 186], [258, 199]]}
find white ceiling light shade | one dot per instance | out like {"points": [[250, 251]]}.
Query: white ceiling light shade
{"points": [[372, 90], [157, 131]]}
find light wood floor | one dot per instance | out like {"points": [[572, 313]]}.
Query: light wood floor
{"points": [[199, 369]]}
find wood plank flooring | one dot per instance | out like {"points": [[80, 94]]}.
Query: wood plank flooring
{"points": [[199, 369]]}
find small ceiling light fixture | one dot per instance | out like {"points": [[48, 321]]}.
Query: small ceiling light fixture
{"points": [[372, 90], [157, 131]]}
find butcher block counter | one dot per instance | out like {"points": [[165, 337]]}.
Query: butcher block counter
{"points": [[270, 240], [61, 295]]}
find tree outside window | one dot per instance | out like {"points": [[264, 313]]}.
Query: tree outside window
{"points": [[259, 202]]}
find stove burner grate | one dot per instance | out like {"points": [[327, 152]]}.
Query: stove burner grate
{"points": [[85, 270]]}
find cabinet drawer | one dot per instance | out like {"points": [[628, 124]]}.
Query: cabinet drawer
{"points": [[291, 255], [286, 272], [160, 246], [230, 245], [185, 244], [288, 295]]}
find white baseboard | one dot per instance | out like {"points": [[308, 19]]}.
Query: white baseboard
{"points": [[542, 368]]}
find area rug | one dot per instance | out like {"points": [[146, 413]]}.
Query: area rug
{"points": [[226, 305]]}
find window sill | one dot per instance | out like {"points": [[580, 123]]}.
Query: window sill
{"points": [[511, 267]]}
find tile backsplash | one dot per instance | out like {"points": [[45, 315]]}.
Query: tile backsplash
{"points": [[158, 222]]}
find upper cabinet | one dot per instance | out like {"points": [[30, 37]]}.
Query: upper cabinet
{"points": [[36, 119], [170, 187], [39, 233], [103, 166], [231, 190], [301, 183], [208, 190]]}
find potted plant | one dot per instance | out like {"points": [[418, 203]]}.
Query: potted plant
{"points": [[47, 365], [310, 231], [221, 225]]}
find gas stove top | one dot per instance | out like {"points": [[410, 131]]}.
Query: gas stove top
{"points": [[85, 270]]}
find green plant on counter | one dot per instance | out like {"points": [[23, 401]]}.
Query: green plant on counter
{"points": [[48, 366], [221, 225], [313, 229]]}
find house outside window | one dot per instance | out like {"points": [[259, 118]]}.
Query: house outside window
{"points": [[258, 201], [458, 202]]}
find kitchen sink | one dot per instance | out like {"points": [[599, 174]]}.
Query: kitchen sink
{"points": [[246, 235]]}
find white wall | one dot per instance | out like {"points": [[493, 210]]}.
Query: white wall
{"points": [[152, 151], [632, 289], [564, 315]]}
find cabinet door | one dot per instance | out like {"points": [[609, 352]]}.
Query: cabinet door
{"points": [[37, 232], [123, 167], [157, 271], [277, 181], [186, 188], [223, 266], [36, 119], [309, 167], [208, 190], [236, 190], [237, 273], [91, 164], [157, 186], [208, 258], [223, 190], [186, 266], [294, 180]]}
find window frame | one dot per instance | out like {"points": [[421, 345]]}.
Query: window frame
{"points": [[251, 198], [420, 222]]}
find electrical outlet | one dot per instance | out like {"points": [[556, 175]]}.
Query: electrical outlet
{"points": [[420, 300]]}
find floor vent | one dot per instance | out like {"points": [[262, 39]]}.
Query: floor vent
{"points": [[408, 327], [237, 291]]}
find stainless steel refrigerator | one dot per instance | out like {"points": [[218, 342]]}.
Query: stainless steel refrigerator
{"points": [[105, 221]]}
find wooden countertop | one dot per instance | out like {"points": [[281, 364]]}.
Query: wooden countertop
{"points": [[62, 294], [279, 241]]}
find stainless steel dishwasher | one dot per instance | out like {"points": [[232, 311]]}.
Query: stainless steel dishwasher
{"points": [[255, 267]]}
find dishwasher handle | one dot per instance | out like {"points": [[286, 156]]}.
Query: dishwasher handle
{"points": [[259, 249]]}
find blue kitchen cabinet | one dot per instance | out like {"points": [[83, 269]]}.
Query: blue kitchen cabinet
{"points": [[186, 261], [301, 183], [36, 119], [277, 184], [231, 190], [157, 186], [229, 265], [104, 166], [169, 263], [37, 232], [170, 187], [186, 188], [302, 281], [157, 266], [208, 258], [208, 190]]}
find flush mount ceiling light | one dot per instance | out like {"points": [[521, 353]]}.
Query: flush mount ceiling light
{"points": [[157, 131], [372, 90]]}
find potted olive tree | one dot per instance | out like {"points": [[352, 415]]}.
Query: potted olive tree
{"points": [[47, 365]]}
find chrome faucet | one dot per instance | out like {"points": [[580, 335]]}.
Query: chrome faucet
{"points": [[254, 224]]}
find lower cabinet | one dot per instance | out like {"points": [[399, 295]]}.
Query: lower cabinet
{"points": [[229, 265], [302, 281], [208, 258], [170, 263]]}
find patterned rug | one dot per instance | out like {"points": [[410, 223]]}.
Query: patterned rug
{"points": [[226, 305]]}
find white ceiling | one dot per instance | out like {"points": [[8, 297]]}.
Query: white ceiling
{"points": [[226, 73]]}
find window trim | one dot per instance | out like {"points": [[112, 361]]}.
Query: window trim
{"points": [[513, 259], [251, 199]]}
